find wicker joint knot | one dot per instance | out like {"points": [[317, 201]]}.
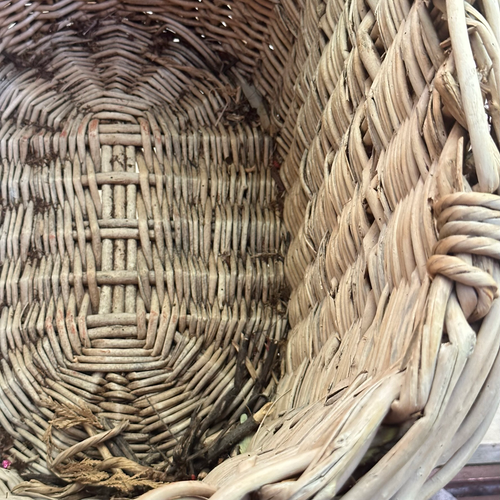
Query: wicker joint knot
{"points": [[468, 226]]}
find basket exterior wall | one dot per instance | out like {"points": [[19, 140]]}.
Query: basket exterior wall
{"points": [[384, 124]]}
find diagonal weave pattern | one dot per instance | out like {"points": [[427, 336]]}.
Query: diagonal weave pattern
{"points": [[141, 246]]}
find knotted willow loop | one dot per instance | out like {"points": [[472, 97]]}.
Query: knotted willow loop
{"points": [[468, 224], [457, 270]]}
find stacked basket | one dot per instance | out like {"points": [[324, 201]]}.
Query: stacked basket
{"points": [[154, 156]]}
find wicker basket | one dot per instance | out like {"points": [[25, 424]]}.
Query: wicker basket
{"points": [[267, 218]]}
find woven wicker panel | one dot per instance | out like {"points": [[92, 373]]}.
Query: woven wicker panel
{"points": [[145, 264], [142, 247]]}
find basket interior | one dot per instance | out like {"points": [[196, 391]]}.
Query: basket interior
{"points": [[275, 210]]}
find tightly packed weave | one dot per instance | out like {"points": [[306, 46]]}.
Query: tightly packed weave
{"points": [[186, 184]]}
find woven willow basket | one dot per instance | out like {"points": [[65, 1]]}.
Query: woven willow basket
{"points": [[278, 210]]}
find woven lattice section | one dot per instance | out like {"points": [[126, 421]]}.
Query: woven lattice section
{"points": [[142, 248], [145, 271]]}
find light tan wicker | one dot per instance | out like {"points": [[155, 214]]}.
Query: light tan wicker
{"points": [[154, 155]]}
